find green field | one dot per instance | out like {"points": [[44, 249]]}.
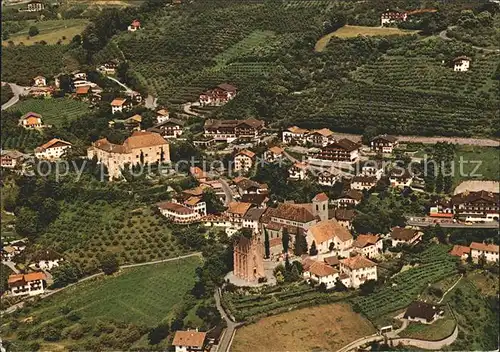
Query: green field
{"points": [[488, 160], [438, 330], [110, 311], [54, 111], [51, 31], [354, 31]]}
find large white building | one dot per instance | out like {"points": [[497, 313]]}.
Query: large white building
{"points": [[461, 64], [490, 251], [31, 284], [330, 236], [370, 246], [52, 150], [320, 273], [244, 160], [358, 270]]}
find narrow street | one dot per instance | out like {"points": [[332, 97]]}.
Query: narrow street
{"points": [[227, 337], [227, 191]]}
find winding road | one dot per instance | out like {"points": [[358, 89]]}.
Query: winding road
{"points": [[227, 337], [150, 102], [17, 91]]}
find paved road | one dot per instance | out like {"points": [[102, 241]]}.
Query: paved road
{"points": [[11, 265], [227, 337], [187, 109], [18, 91], [444, 35], [150, 102], [424, 222], [50, 293], [227, 191], [482, 142]]}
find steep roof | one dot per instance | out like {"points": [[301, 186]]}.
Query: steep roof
{"points": [[484, 247], [83, 90], [53, 143], [386, 137], [469, 197], [333, 260], [227, 87], [174, 207], [353, 194], [276, 150], [325, 132], [297, 130], [320, 197], [254, 214], [292, 212], [246, 152], [459, 251], [328, 229], [197, 173], [31, 114], [345, 144], [322, 269], [363, 241], [189, 338], [118, 101], [419, 309], [140, 139], [239, 208], [358, 262], [163, 112], [343, 214], [403, 234], [256, 199]]}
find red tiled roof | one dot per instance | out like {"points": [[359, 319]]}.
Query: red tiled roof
{"points": [[328, 229], [189, 338], [459, 251], [320, 197], [484, 247], [322, 269], [358, 262]]}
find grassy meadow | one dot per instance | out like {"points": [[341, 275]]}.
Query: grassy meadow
{"points": [[485, 159], [51, 31]]}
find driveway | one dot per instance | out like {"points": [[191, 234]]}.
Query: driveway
{"points": [[187, 109], [227, 338], [17, 91]]}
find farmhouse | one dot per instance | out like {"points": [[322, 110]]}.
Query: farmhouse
{"points": [[294, 135], [489, 251], [461, 64], [178, 213], [357, 270], [361, 183], [41, 91], [320, 273], [236, 211], [134, 26], [274, 154], [10, 159], [390, 17], [162, 115], [343, 150], [405, 236], [31, 284], [400, 178], [171, 128], [229, 130], [219, 95], [52, 150], [39, 81], [462, 252], [384, 144], [120, 105], [139, 148], [349, 199], [35, 6], [423, 312], [31, 120], [244, 160], [190, 341], [370, 246], [476, 206], [298, 171], [320, 138], [330, 236]]}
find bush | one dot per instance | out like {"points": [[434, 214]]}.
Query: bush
{"points": [[33, 31]]}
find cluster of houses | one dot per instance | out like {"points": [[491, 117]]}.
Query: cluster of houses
{"points": [[34, 281], [477, 251], [469, 206], [391, 17], [218, 96]]}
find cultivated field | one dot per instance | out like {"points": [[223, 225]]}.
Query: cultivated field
{"points": [[143, 295], [353, 31], [54, 111], [51, 31], [323, 328]]}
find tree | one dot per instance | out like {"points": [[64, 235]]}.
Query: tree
{"points": [[109, 263], [157, 334], [49, 211], [33, 31], [267, 244], [368, 134], [285, 239], [331, 246], [27, 222], [300, 245], [439, 183], [214, 204], [65, 274], [367, 287], [313, 250], [440, 234], [448, 184]]}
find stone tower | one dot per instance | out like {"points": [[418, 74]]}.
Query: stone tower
{"points": [[249, 259], [320, 206]]}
